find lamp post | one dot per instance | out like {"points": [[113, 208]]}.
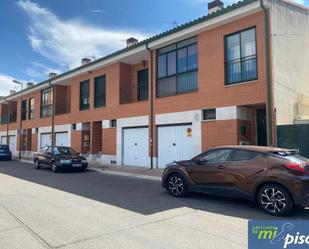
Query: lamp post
{"points": [[7, 121], [20, 118], [53, 118]]}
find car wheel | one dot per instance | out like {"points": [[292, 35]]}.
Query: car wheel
{"points": [[10, 159], [54, 167], [275, 200], [37, 164], [177, 186]]}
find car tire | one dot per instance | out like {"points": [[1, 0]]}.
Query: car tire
{"points": [[10, 159], [37, 164], [54, 167], [176, 185], [275, 200]]}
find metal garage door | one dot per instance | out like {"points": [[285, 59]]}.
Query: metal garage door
{"points": [[62, 139], [135, 146], [12, 143], [45, 139], [174, 144]]}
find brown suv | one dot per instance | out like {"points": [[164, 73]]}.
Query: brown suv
{"points": [[276, 178]]}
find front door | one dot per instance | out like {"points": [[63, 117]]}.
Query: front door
{"points": [[261, 129], [209, 168]]}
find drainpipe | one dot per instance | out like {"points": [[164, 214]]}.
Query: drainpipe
{"points": [[151, 105], [53, 118], [268, 77]]}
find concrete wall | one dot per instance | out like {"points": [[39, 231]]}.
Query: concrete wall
{"points": [[290, 59]]}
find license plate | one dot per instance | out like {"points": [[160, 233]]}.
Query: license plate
{"points": [[76, 165]]}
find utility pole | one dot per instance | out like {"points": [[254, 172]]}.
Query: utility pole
{"points": [[20, 117]]}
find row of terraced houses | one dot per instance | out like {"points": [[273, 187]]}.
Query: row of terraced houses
{"points": [[233, 76]]}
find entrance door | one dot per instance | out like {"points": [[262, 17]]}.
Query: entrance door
{"points": [[135, 147], [174, 144], [261, 129]]}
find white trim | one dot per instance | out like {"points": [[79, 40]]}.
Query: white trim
{"points": [[107, 159], [123, 123], [106, 124], [226, 113]]}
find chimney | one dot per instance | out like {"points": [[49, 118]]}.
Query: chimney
{"points": [[85, 61], [131, 41], [29, 84], [214, 6], [52, 75], [12, 92]]}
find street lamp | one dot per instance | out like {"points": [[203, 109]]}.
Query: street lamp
{"points": [[20, 117], [7, 121], [53, 117]]}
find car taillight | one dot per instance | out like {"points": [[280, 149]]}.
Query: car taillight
{"points": [[300, 167]]}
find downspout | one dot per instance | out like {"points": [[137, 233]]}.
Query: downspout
{"points": [[268, 77], [151, 105]]}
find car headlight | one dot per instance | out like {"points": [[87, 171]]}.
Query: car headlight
{"points": [[65, 161], [84, 161]]}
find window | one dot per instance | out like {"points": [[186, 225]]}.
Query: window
{"points": [[240, 57], [113, 123], [100, 91], [209, 114], [31, 108], [244, 155], [47, 102], [177, 68], [219, 155], [73, 127], [24, 110], [142, 85], [43, 149], [84, 95]]}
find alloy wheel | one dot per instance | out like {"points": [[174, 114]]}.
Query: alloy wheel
{"points": [[273, 200], [176, 185]]}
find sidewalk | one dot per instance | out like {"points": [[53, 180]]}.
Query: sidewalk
{"points": [[131, 171]]}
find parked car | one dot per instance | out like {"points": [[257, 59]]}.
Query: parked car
{"points": [[276, 178], [59, 158], [5, 152]]}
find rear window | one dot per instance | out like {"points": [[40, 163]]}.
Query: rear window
{"points": [[244, 155], [292, 155]]}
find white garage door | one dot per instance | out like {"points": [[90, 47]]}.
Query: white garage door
{"points": [[62, 139], [135, 146], [45, 140], [174, 144], [12, 143]]}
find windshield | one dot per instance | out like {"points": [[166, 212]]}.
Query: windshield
{"points": [[64, 151]]}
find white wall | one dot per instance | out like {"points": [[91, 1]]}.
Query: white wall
{"points": [[290, 58]]}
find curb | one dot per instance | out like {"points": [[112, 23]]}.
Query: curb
{"points": [[110, 172]]}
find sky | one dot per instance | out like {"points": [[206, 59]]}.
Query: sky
{"points": [[43, 36]]}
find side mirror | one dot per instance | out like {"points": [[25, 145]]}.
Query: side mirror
{"points": [[200, 160]]}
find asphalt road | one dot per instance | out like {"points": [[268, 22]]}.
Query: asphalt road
{"points": [[40, 209]]}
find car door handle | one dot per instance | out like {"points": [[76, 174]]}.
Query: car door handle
{"points": [[221, 167]]}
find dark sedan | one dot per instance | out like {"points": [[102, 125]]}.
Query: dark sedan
{"points": [[59, 157], [5, 152]]}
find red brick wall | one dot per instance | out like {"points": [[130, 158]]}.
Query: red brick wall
{"points": [[217, 133], [109, 141], [34, 142], [76, 141], [96, 137]]}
